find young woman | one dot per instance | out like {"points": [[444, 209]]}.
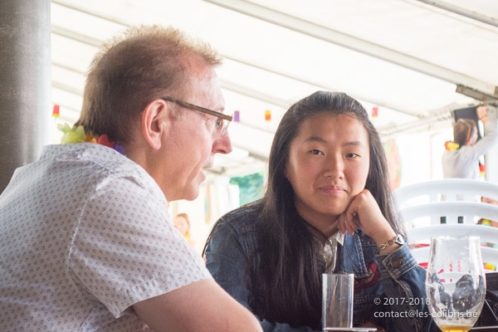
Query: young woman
{"points": [[327, 208]]}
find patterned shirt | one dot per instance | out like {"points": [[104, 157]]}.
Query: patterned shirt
{"points": [[329, 247], [329, 252], [84, 235]]}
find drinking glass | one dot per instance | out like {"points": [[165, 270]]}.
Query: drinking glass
{"points": [[337, 300], [455, 282]]}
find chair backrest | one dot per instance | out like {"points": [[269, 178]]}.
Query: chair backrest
{"points": [[448, 207], [422, 196], [451, 213], [453, 189]]}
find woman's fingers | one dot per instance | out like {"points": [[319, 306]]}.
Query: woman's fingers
{"points": [[341, 224], [350, 227], [348, 221]]}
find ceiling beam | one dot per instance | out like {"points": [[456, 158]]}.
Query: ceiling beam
{"points": [[473, 15], [79, 37], [354, 43], [93, 12], [478, 95]]}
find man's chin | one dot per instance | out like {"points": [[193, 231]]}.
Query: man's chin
{"points": [[192, 192], [191, 197], [186, 193]]}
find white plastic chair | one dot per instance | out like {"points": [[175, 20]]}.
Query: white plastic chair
{"points": [[447, 189], [448, 207]]}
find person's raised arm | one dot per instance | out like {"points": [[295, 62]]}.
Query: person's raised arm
{"points": [[488, 118], [400, 275], [482, 113], [200, 306]]}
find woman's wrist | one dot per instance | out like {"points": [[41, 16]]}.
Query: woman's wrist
{"points": [[389, 245], [382, 237], [389, 249]]}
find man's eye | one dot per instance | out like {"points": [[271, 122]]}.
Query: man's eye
{"points": [[219, 123]]}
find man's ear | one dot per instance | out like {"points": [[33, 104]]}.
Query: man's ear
{"points": [[154, 122]]}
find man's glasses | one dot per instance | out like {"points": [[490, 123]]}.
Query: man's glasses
{"points": [[222, 121]]}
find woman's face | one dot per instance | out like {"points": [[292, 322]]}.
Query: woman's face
{"points": [[328, 165]]}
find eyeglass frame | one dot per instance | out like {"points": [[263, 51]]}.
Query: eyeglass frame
{"points": [[201, 109]]}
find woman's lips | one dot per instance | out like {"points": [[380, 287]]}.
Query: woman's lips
{"points": [[332, 189]]}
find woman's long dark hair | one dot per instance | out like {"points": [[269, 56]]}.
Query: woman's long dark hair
{"points": [[285, 273]]}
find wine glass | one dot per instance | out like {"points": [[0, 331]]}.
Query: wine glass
{"points": [[455, 282]]}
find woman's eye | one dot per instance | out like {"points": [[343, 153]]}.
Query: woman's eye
{"points": [[316, 152], [352, 155]]}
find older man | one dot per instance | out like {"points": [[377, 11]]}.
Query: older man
{"points": [[86, 243]]}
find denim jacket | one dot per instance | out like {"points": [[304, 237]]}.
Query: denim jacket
{"points": [[391, 292]]}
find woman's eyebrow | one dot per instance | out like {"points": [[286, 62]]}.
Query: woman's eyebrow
{"points": [[322, 140], [316, 139], [352, 143]]}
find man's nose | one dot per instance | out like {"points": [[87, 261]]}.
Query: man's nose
{"points": [[223, 144]]}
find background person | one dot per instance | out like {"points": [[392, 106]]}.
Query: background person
{"points": [[86, 243], [327, 208], [182, 223], [461, 157]]}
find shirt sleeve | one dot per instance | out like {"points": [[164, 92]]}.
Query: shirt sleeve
{"points": [[484, 144], [125, 250], [227, 261], [490, 135]]}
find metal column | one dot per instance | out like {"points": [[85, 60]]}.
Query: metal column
{"points": [[24, 82]]}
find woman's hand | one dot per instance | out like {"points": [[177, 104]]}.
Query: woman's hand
{"points": [[363, 212]]}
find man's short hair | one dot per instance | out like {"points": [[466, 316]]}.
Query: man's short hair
{"points": [[147, 63]]}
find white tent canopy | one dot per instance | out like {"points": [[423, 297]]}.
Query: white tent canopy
{"points": [[405, 58]]}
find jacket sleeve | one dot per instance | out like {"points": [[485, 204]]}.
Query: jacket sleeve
{"points": [[227, 260], [404, 290]]}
